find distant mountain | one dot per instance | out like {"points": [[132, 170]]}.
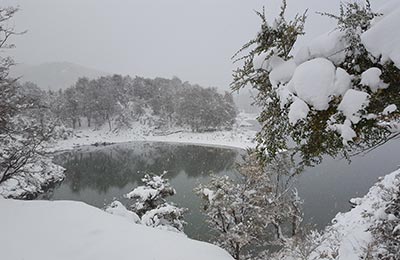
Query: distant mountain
{"points": [[54, 75]]}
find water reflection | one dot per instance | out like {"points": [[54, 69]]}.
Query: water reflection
{"points": [[97, 175]]}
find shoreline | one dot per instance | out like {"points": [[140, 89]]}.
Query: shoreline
{"points": [[234, 139]]}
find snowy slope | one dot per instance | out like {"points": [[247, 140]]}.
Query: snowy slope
{"points": [[350, 230], [43, 230]]}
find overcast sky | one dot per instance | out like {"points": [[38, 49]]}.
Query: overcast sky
{"points": [[191, 39]]}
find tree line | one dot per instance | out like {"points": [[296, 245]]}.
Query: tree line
{"points": [[118, 101]]}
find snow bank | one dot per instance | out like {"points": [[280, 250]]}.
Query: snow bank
{"points": [[44, 230], [237, 138], [31, 181], [349, 235]]}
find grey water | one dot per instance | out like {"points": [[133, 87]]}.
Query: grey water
{"points": [[98, 175]]}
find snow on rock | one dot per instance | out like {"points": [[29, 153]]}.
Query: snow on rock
{"points": [[65, 230], [313, 82], [371, 78], [389, 109], [342, 82], [282, 73], [383, 38], [329, 45], [298, 110], [118, 209], [352, 104]]}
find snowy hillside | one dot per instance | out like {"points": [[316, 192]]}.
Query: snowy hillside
{"points": [[54, 75], [73, 230]]}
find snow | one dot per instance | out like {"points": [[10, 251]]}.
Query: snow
{"points": [[118, 209], [329, 45], [383, 38], [283, 72], [342, 82], [313, 82], [352, 104], [371, 78], [142, 192], [389, 109], [350, 231], [346, 132], [239, 137], [266, 61], [298, 110], [44, 230], [30, 182]]}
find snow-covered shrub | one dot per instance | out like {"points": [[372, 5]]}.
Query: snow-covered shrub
{"points": [[249, 213], [386, 231], [333, 95], [152, 207]]}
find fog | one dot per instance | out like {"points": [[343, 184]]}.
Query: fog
{"points": [[193, 40]]}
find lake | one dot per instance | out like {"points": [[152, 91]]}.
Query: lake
{"points": [[98, 175]]}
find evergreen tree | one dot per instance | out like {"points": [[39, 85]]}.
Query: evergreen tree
{"points": [[151, 205]]}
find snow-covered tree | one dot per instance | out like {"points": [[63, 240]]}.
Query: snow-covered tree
{"points": [[386, 231], [253, 211], [152, 207], [25, 124], [332, 97]]}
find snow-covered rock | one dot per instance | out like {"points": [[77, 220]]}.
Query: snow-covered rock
{"points": [[65, 230]]}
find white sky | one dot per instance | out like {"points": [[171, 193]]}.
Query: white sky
{"points": [[191, 39]]}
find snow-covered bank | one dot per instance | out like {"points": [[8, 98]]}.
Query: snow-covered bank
{"points": [[36, 177], [349, 237], [237, 138], [40, 230]]}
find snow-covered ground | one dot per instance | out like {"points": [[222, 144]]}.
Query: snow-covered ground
{"points": [[350, 230], [241, 136], [37, 176], [349, 237], [40, 230]]}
